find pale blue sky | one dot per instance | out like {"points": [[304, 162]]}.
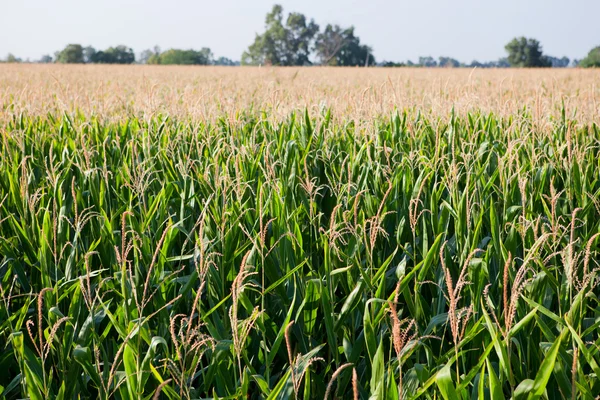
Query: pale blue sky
{"points": [[397, 30]]}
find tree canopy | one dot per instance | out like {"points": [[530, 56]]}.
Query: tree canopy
{"points": [[77, 54], [282, 44], [448, 62], [72, 54], [11, 58], [340, 47], [298, 41], [592, 59], [112, 55], [182, 57], [524, 52]]}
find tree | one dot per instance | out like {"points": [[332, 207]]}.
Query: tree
{"points": [[392, 64], [592, 59], [186, 57], [225, 61], [181, 57], [150, 56], [72, 54], [11, 58], [556, 62], [448, 62], [145, 56], [89, 54], [114, 55], [501, 63], [329, 43], [46, 59], [524, 52], [280, 44], [337, 46], [427, 62]]}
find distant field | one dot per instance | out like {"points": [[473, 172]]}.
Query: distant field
{"points": [[207, 92], [259, 233]]}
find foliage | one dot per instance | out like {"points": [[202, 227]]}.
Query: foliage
{"points": [[448, 62], [46, 59], [340, 47], [182, 57], [393, 64], [114, 55], [225, 61], [396, 258], [77, 54], [89, 53], [71, 54], [282, 44], [524, 52], [501, 63], [592, 59], [11, 58], [427, 62], [556, 62]]}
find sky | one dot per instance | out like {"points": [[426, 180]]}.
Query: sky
{"points": [[396, 30]]}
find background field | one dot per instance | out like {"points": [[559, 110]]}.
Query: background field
{"points": [[208, 92], [298, 233]]}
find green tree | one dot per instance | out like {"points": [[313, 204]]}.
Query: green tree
{"points": [[89, 54], [145, 56], [427, 62], [114, 55], [337, 46], [592, 59], [392, 64], [11, 58], [556, 62], [282, 44], [226, 62], [46, 59], [448, 62], [150, 56], [72, 54], [183, 57], [526, 52]]}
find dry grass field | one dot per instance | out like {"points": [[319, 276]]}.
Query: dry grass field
{"points": [[207, 92], [299, 233]]}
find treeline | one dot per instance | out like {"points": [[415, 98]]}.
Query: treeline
{"points": [[448, 62], [77, 54], [294, 40]]}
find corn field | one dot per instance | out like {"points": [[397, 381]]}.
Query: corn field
{"points": [[317, 255]]}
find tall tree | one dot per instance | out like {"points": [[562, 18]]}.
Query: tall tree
{"points": [[72, 54], [592, 59], [337, 46], [524, 52], [282, 44]]}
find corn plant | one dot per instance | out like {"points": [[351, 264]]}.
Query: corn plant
{"points": [[401, 257]]}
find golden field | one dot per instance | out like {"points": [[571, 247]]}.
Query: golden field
{"points": [[356, 93]]}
